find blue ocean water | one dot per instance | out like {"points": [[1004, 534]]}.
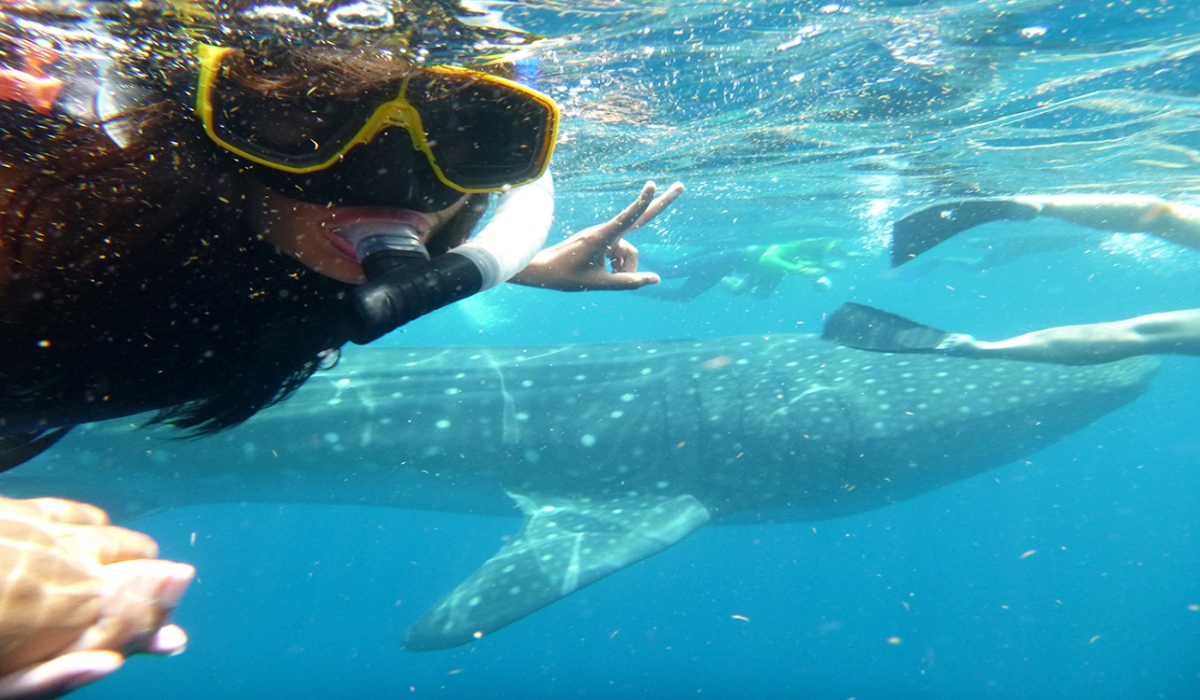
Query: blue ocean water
{"points": [[1074, 573]]}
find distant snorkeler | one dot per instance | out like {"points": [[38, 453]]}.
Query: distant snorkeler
{"points": [[756, 270], [201, 201], [921, 230], [1166, 333]]}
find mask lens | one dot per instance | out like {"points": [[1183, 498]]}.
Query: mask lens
{"points": [[388, 172], [481, 134], [293, 131]]}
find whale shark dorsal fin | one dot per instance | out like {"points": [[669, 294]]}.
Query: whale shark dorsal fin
{"points": [[565, 545]]}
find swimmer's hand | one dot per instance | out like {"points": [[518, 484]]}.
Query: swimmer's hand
{"points": [[579, 263], [77, 596]]}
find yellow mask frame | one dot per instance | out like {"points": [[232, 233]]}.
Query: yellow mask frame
{"points": [[505, 139]]}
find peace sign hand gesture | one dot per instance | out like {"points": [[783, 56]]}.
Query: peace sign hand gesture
{"points": [[580, 262]]}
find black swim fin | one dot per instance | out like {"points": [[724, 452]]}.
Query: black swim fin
{"points": [[868, 328], [921, 230], [16, 449]]}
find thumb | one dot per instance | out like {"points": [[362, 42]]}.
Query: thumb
{"points": [[630, 280]]}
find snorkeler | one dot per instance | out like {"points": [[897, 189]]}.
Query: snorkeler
{"points": [[200, 202], [249, 190], [754, 269], [921, 230], [1166, 333]]}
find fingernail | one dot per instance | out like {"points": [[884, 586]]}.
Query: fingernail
{"points": [[175, 585]]}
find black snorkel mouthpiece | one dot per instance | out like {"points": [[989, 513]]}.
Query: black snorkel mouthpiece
{"points": [[383, 246], [403, 282]]}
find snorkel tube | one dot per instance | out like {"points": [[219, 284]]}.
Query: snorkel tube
{"points": [[404, 283]]}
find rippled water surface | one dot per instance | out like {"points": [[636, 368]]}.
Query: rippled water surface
{"points": [[816, 109]]}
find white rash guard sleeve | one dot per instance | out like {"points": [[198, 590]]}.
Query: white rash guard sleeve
{"points": [[515, 233]]}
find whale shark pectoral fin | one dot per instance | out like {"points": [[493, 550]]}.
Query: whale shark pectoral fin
{"points": [[565, 545]]}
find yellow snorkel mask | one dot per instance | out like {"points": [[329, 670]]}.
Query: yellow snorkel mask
{"points": [[479, 132]]}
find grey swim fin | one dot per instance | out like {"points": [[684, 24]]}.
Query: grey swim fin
{"points": [[921, 230], [868, 328]]}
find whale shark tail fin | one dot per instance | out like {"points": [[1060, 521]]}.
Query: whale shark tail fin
{"points": [[566, 544], [869, 328], [921, 230]]}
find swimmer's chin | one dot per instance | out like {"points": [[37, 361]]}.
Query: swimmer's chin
{"points": [[349, 276], [333, 264]]}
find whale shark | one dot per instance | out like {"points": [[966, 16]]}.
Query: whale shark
{"points": [[611, 452]]}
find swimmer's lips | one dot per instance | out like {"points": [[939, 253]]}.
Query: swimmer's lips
{"points": [[340, 218]]}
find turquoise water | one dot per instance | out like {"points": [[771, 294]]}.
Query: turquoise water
{"points": [[785, 120]]}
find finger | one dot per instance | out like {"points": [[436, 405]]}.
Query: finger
{"points": [[64, 511], [175, 585], [622, 223], [659, 204], [111, 544], [21, 508], [45, 509], [624, 256], [137, 598], [59, 676], [623, 280]]}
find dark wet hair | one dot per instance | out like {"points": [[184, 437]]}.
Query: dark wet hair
{"points": [[130, 281]]}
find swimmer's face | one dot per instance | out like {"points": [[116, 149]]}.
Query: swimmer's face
{"points": [[309, 232]]}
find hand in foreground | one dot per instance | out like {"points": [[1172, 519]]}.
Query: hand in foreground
{"points": [[579, 263], [77, 596]]}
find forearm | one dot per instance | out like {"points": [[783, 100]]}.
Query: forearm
{"points": [[515, 234]]}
